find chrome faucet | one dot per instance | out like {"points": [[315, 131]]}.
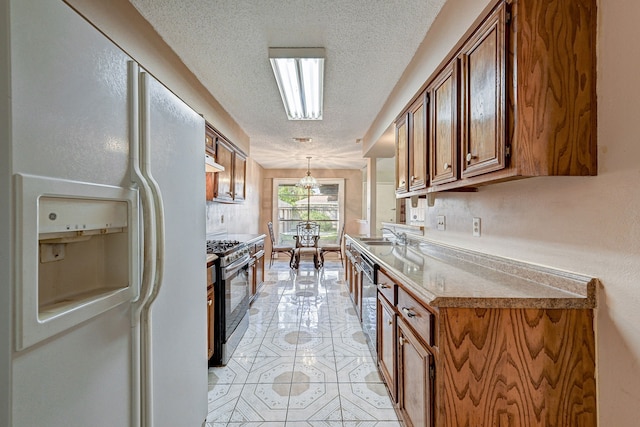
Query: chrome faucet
{"points": [[400, 237]]}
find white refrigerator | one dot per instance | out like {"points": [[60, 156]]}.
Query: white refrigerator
{"points": [[102, 278]]}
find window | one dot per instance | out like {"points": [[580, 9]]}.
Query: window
{"points": [[292, 204]]}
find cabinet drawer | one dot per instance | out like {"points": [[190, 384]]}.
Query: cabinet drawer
{"points": [[414, 313], [387, 287]]}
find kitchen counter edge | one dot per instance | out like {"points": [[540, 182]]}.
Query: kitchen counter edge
{"points": [[579, 290]]}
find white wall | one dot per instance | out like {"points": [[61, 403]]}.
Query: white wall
{"points": [[590, 225]]}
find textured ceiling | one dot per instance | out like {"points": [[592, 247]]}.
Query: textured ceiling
{"points": [[368, 44]]}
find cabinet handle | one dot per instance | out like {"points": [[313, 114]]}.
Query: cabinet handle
{"points": [[470, 157], [390, 322], [446, 165], [413, 178], [402, 340], [403, 182], [384, 286], [408, 312], [209, 302]]}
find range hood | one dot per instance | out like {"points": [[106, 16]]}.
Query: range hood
{"points": [[210, 165]]}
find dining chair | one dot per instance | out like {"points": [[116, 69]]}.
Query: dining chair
{"points": [[277, 248], [307, 236], [333, 247]]}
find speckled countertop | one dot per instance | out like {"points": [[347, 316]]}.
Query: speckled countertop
{"points": [[445, 276]]}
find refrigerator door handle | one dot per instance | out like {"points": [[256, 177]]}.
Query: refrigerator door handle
{"points": [[146, 194], [140, 369], [158, 230], [158, 204]]}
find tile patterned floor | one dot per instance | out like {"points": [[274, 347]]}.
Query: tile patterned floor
{"points": [[303, 362]]}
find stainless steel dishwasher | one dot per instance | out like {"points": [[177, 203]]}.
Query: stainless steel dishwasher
{"points": [[369, 271]]}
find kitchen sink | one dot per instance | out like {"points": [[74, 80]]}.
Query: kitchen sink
{"points": [[376, 241]]}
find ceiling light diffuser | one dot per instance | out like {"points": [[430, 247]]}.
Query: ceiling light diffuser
{"points": [[299, 74]]}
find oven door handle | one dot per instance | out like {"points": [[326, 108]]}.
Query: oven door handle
{"points": [[231, 269]]}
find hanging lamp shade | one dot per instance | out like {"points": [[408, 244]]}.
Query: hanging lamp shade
{"points": [[308, 181]]}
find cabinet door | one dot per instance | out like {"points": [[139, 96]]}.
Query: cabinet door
{"points": [[239, 173], [210, 182], [224, 156], [387, 344], [210, 319], [252, 279], [259, 271], [418, 144], [443, 134], [209, 140], [357, 290], [415, 379], [402, 155], [483, 97], [210, 148]]}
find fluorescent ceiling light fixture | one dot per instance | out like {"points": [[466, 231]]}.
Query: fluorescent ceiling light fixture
{"points": [[299, 73]]}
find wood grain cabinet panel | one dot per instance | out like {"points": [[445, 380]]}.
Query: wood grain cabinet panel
{"points": [[210, 320], [483, 97], [443, 137], [517, 368], [418, 175], [224, 156], [387, 345], [416, 315], [387, 287], [415, 379], [402, 155], [239, 177]]}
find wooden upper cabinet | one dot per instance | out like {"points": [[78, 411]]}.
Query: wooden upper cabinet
{"points": [[223, 180], [229, 185], [509, 103], [402, 155], [209, 141], [443, 135], [483, 97], [418, 175], [239, 177], [554, 119]]}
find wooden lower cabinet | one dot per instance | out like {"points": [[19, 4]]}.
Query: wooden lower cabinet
{"points": [[256, 267], [387, 345], [259, 274], [252, 279], [516, 368], [416, 373], [210, 317], [499, 367]]}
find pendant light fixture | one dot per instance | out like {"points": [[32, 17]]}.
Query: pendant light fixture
{"points": [[308, 182]]}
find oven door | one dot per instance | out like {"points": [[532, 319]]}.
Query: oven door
{"points": [[236, 293]]}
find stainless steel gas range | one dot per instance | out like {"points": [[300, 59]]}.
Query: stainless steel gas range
{"points": [[231, 297]]}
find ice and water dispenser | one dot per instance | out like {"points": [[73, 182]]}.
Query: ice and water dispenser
{"points": [[78, 245]]}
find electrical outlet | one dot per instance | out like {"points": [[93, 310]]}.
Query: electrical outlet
{"points": [[476, 227], [441, 222]]}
